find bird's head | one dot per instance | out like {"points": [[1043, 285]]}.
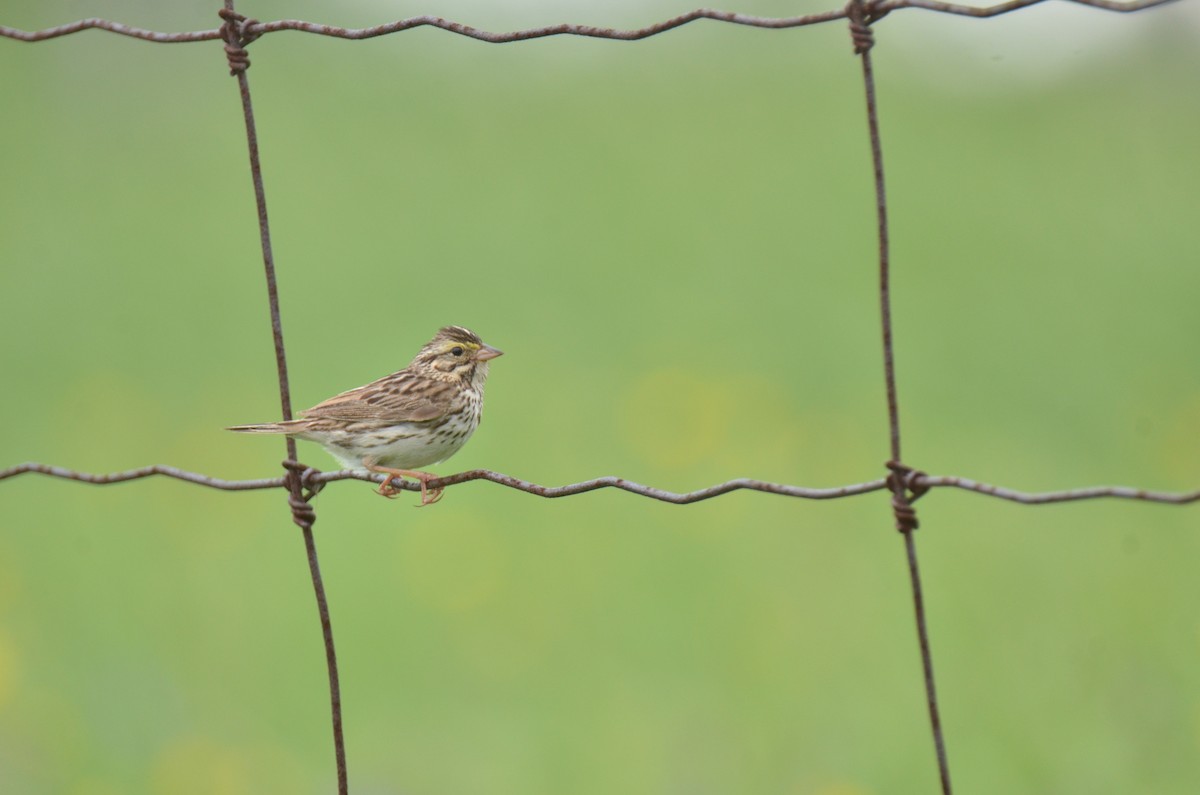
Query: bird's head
{"points": [[455, 353]]}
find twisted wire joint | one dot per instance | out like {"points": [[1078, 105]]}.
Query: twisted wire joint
{"points": [[302, 485], [862, 14], [907, 487], [235, 30]]}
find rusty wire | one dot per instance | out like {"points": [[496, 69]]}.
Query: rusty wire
{"points": [[622, 484], [237, 34], [303, 482], [257, 29], [903, 480]]}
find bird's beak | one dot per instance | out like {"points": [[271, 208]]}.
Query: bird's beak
{"points": [[488, 352]]}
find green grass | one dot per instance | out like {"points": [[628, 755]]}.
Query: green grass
{"points": [[673, 242]]}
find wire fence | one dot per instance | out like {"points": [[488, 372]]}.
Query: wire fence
{"points": [[302, 482]]}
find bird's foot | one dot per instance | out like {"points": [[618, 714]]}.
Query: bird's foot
{"points": [[428, 496]]}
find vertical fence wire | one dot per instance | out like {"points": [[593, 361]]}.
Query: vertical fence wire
{"points": [[234, 32], [861, 16]]}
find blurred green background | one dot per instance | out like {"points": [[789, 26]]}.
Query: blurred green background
{"points": [[673, 242]]}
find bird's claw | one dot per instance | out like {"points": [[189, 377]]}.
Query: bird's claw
{"points": [[428, 496], [386, 489]]}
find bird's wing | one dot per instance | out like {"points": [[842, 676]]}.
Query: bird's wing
{"points": [[393, 398]]}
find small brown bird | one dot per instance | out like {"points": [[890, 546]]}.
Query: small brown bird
{"points": [[419, 416]]}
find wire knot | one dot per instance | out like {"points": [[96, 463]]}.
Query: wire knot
{"points": [[236, 33], [302, 486], [907, 488], [862, 14]]}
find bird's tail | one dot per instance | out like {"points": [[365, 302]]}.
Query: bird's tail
{"points": [[287, 426]]}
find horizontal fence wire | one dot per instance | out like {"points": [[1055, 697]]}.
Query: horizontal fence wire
{"points": [[256, 29], [623, 484], [303, 482]]}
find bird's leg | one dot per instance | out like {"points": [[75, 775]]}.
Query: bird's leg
{"points": [[428, 496]]}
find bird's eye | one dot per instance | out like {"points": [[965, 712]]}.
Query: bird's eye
{"points": [[457, 351]]}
